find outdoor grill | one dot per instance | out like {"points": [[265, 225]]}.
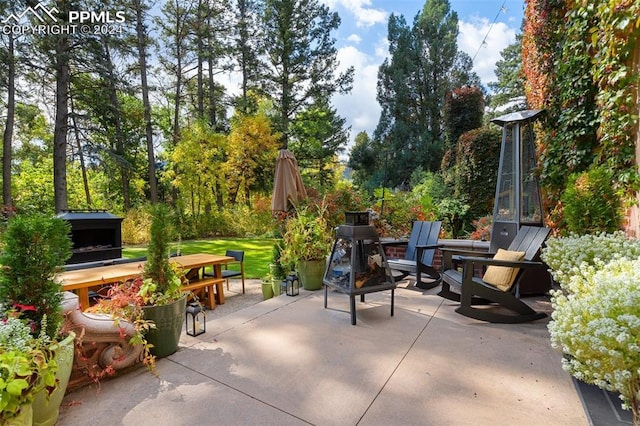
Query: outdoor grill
{"points": [[95, 234]]}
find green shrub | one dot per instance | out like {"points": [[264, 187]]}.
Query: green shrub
{"points": [[395, 217], [36, 246], [476, 169], [341, 200], [591, 203], [135, 226]]}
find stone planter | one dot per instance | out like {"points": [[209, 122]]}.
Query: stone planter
{"points": [[45, 411], [25, 418]]}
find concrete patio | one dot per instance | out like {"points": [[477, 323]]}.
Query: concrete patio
{"points": [[288, 360]]}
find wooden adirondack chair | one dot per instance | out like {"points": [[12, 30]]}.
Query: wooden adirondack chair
{"points": [[418, 257], [497, 286]]}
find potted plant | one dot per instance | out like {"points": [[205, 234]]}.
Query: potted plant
{"points": [[27, 367], [36, 246], [276, 271], [267, 286], [161, 290], [123, 304], [306, 244]]}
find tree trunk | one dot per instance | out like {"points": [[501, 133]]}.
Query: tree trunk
{"points": [[117, 120], [142, 62], [61, 125], [200, 55], [7, 139], [83, 166]]}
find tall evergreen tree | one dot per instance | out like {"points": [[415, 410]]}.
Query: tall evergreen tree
{"points": [[508, 92], [8, 57], [246, 49], [140, 9], [317, 137], [63, 78], [423, 65], [176, 58], [363, 161], [463, 111], [301, 57]]}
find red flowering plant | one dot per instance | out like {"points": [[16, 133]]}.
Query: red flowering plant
{"points": [[124, 304], [483, 228]]}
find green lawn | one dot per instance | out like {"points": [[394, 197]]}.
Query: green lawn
{"points": [[257, 251]]}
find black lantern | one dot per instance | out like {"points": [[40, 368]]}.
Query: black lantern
{"points": [[196, 319], [292, 285], [358, 264]]}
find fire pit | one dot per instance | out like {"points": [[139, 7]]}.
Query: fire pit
{"points": [[358, 264]]}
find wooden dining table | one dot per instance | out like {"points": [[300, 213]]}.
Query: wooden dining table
{"points": [[81, 280]]}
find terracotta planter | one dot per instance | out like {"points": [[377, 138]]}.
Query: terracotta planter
{"points": [[45, 411], [168, 320]]}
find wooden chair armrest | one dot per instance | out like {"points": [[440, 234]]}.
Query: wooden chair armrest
{"points": [[429, 246], [507, 263], [455, 251], [451, 255], [394, 243]]}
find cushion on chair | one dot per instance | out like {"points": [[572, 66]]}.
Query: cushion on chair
{"points": [[502, 276], [228, 273]]}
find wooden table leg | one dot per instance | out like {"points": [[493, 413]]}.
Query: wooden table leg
{"points": [[83, 296], [217, 272], [211, 299]]}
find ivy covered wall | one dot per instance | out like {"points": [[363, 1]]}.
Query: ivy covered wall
{"points": [[578, 61]]}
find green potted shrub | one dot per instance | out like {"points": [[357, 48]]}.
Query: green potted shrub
{"points": [[306, 244], [36, 247], [161, 290]]}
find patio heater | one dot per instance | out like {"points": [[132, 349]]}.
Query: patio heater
{"points": [[358, 264], [517, 200]]}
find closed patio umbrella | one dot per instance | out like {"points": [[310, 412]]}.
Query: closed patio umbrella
{"points": [[287, 186]]}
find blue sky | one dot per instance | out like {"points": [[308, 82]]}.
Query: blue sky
{"points": [[362, 43]]}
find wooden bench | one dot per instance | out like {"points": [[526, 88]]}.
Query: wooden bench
{"points": [[208, 284]]}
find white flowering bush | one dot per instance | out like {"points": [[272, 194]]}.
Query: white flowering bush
{"points": [[596, 316], [577, 255]]}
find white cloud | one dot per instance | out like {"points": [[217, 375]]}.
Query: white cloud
{"points": [[470, 37], [360, 107], [365, 16], [354, 38]]}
